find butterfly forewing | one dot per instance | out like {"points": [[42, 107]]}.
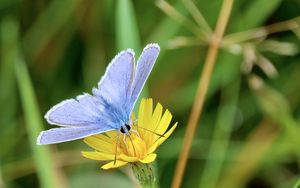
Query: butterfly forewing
{"points": [[58, 135], [114, 87], [143, 68]]}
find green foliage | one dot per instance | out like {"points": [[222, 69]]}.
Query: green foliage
{"points": [[249, 133]]}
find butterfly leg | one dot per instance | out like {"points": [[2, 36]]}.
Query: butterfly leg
{"points": [[116, 148], [134, 122], [124, 141], [132, 143], [136, 132]]}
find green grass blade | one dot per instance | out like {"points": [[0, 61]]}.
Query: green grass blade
{"points": [[56, 16], [126, 27], [258, 11], [41, 154], [167, 28], [275, 105], [7, 93], [8, 87], [222, 131], [297, 185]]}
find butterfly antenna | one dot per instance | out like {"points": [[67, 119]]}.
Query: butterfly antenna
{"points": [[136, 132], [156, 140], [116, 148], [157, 134]]}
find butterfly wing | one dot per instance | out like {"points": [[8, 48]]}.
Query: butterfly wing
{"points": [[114, 87], [81, 111], [144, 66], [58, 135], [87, 115], [80, 117]]}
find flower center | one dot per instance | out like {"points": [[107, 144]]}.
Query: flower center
{"points": [[133, 146]]}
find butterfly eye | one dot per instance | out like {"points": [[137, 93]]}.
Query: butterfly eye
{"points": [[128, 127], [122, 130]]}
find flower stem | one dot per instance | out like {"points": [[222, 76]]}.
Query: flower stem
{"points": [[145, 173], [205, 77]]}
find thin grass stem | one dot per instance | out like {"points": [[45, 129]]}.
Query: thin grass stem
{"points": [[197, 15], [260, 32], [181, 19], [222, 131], [48, 174], [202, 90]]}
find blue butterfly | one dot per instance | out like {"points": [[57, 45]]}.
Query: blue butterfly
{"points": [[111, 104]]}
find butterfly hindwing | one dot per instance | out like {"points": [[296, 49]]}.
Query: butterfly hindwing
{"points": [[82, 111], [58, 135]]}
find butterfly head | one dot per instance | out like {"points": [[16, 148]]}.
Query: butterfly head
{"points": [[125, 129]]}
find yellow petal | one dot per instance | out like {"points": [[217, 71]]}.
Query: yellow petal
{"points": [[100, 143], [161, 128], [112, 134], [127, 158], [164, 123], [141, 111], [149, 158], [145, 112], [132, 116], [153, 146], [103, 137], [152, 125], [149, 133], [114, 164], [97, 155], [162, 139]]}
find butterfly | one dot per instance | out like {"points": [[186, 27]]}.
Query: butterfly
{"points": [[109, 106]]}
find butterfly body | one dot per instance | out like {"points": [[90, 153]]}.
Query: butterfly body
{"points": [[110, 105]]}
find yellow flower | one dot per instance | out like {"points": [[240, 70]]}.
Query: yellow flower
{"points": [[145, 136]]}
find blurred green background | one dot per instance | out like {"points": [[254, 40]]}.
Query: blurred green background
{"points": [[249, 133]]}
